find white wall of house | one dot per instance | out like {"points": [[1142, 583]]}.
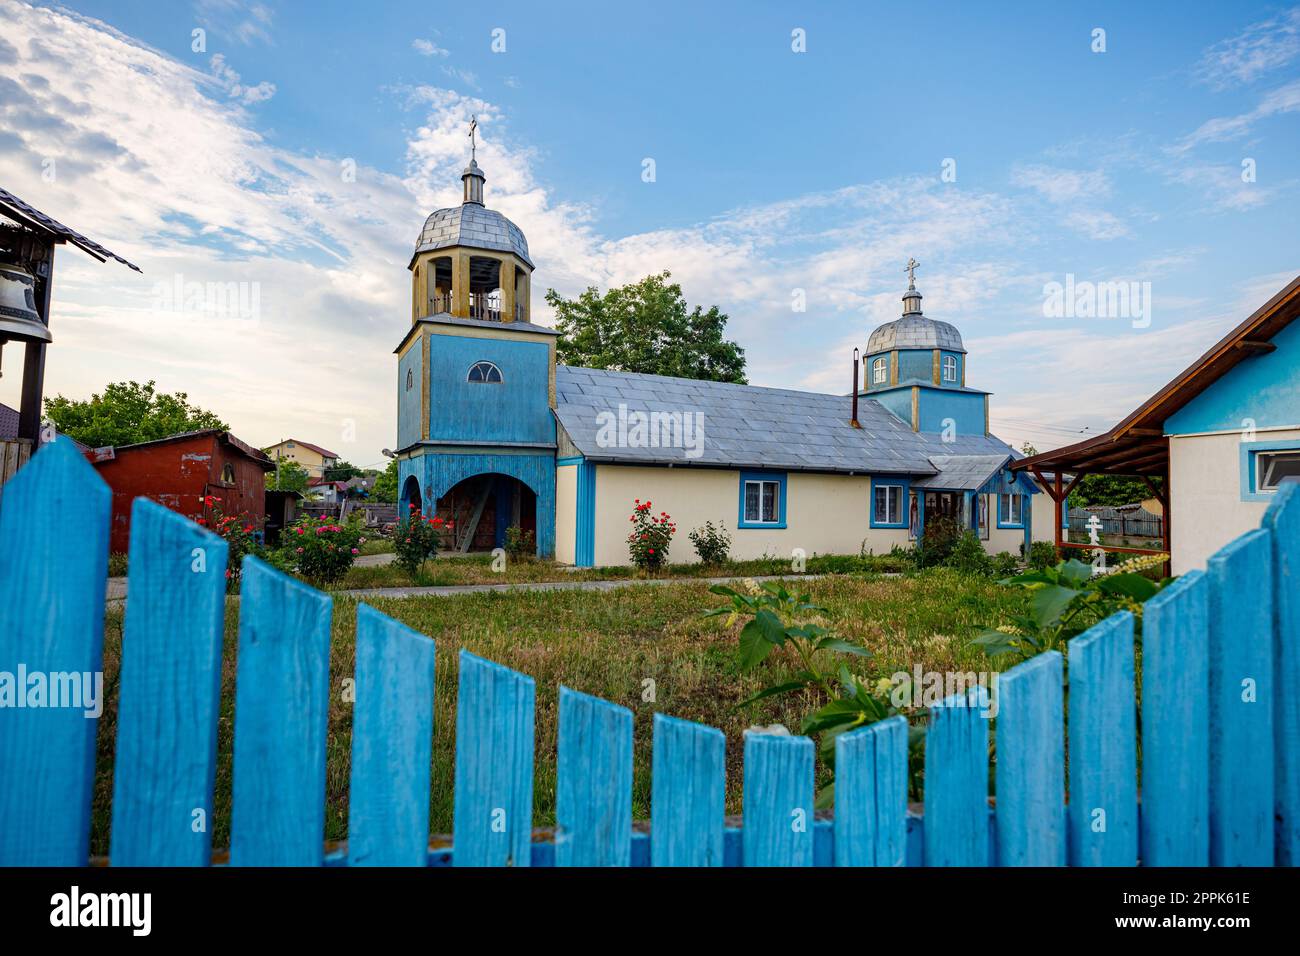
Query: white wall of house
{"points": [[1205, 494], [566, 513]]}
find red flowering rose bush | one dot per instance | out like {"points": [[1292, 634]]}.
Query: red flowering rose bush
{"points": [[651, 534], [416, 539], [239, 533], [319, 549]]}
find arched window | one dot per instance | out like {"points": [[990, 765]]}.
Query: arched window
{"points": [[410, 379], [950, 368], [878, 371], [228, 473], [484, 372]]}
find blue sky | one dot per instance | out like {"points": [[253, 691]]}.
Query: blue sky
{"points": [[775, 171]]}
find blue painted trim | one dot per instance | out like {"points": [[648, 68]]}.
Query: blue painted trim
{"points": [[1005, 524], [905, 487], [1247, 454], [777, 476], [571, 460], [584, 542]]}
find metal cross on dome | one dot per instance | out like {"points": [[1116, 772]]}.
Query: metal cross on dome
{"points": [[910, 269], [473, 146]]}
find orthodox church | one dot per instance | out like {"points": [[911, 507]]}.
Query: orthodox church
{"points": [[493, 433]]}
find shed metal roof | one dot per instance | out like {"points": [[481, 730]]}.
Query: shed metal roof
{"points": [[26, 213]]}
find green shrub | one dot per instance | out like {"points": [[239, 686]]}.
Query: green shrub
{"points": [[416, 539], [521, 545], [1005, 564], [1042, 554], [712, 542], [319, 550], [240, 538], [937, 541], [968, 555], [648, 541], [117, 564]]}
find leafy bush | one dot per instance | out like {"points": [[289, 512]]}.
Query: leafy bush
{"points": [[1066, 600], [1042, 554], [521, 545], [240, 537], [712, 543], [117, 564], [648, 541], [416, 539], [1005, 564], [320, 550], [937, 541], [968, 555]]}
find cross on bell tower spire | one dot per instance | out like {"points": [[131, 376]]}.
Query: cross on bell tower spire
{"points": [[473, 145], [473, 177], [911, 298], [910, 269]]}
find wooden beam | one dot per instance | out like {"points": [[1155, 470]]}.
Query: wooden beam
{"points": [[1256, 346]]}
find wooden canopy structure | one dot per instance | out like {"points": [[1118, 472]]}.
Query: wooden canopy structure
{"points": [[1138, 445]]}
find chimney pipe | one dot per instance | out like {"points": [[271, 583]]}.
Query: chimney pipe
{"points": [[854, 420]]}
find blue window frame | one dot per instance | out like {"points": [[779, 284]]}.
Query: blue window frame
{"points": [[888, 504], [1011, 510], [762, 499], [1264, 464], [484, 372]]}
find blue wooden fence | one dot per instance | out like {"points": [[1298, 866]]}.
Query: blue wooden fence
{"points": [[1220, 755]]}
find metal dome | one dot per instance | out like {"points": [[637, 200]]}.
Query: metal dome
{"points": [[915, 332], [474, 226]]}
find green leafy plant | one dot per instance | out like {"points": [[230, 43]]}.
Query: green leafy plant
{"points": [[712, 542], [240, 536], [852, 703], [1042, 554], [319, 549], [937, 541], [968, 555], [521, 545], [416, 539], [1066, 600], [650, 537]]}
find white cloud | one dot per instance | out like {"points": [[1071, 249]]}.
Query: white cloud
{"points": [[1259, 49], [1284, 99], [428, 48], [246, 22], [230, 81], [1078, 193], [467, 77]]}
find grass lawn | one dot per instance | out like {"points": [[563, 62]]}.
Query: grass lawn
{"points": [[606, 643], [479, 569], [377, 546]]}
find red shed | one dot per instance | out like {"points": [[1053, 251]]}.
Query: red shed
{"points": [[179, 472]]}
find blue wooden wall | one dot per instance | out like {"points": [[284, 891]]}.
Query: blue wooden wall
{"points": [[516, 410]]}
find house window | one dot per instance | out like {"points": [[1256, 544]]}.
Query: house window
{"points": [[1272, 467], [950, 368], [484, 372], [228, 473], [887, 506], [1010, 511], [878, 371], [762, 500], [410, 379]]}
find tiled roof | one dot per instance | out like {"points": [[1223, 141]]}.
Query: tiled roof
{"points": [[747, 426], [8, 422], [474, 226], [963, 472], [25, 212], [323, 452]]}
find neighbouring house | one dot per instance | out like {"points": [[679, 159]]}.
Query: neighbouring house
{"points": [[492, 432], [313, 458], [1221, 436], [330, 492], [180, 472]]}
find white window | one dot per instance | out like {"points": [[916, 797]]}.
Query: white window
{"points": [[889, 504], [950, 368], [762, 502], [484, 372], [1009, 505], [878, 371], [1271, 467]]}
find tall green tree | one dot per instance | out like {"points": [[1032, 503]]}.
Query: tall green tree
{"points": [[342, 471], [646, 327], [288, 476], [385, 489], [126, 413], [1111, 490]]}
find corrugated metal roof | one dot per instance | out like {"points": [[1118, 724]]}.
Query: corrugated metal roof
{"points": [[474, 226], [962, 472], [29, 214], [743, 426]]}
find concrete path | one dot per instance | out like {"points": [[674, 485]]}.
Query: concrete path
{"points": [[373, 560]]}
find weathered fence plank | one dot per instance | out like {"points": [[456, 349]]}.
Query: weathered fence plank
{"points": [[688, 782], [1176, 725], [1103, 822], [493, 811], [778, 801], [169, 694], [281, 712], [1241, 700], [392, 743], [871, 795], [593, 792], [957, 781], [53, 564], [1030, 768], [1283, 521]]}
